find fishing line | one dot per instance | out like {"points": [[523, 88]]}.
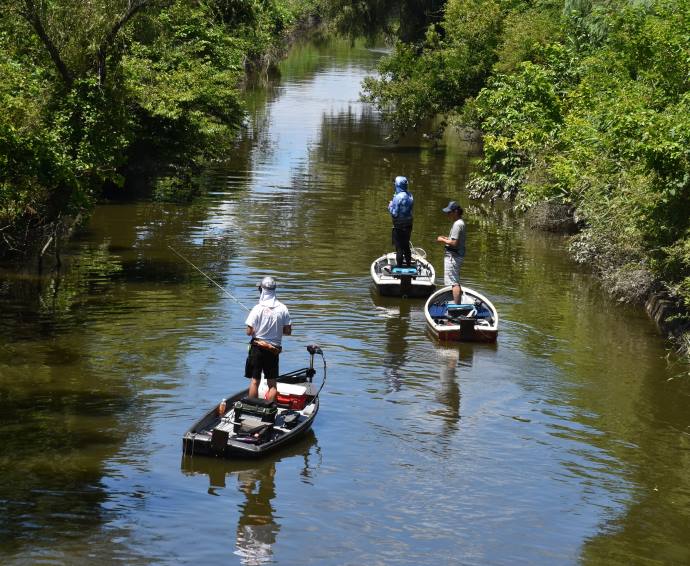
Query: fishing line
{"points": [[210, 279]]}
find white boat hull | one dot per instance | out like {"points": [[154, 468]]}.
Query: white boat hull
{"points": [[388, 284], [481, 328]]}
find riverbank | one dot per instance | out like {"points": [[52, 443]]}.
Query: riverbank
{"points": [[585, 107], [576, 407]]}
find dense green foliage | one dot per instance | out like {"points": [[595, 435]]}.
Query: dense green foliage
{"points": [[437, 74], [582, 103], [112, 92]]}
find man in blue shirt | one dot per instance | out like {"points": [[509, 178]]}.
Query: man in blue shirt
{"points": [[400, 208]]}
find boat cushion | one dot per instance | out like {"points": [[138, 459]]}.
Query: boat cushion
{"points": [[404, 271], [461, 307], [437, 311], [306, 388], [450, 309]]}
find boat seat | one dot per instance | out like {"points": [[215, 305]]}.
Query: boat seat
{"points": [[461, 311], [461, 307], [404, 271], [257, 402]]}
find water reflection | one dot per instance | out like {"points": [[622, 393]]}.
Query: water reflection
{"points": [[453, 358], [88, 351], [573, 430], [257, 527], [395, 330], [449, 390]]}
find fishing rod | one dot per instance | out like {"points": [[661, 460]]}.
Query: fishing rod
{"points": [[210, 279]]}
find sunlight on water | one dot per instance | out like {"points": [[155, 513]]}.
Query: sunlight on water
{"points": [[563, 443]]}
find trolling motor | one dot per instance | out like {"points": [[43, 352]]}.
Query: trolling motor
{"points": [[304, 391], [313, 349]]}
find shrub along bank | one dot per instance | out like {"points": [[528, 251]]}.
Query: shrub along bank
{"points": [[582, 104], [96, 95]]}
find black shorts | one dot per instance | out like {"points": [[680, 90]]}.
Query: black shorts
{"points": [[259, 360]]}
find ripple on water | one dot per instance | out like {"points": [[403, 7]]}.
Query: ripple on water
{"points": [[540, 449]]}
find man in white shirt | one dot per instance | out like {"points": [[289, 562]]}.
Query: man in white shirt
{"points": [[266, 324], [455, 250]]}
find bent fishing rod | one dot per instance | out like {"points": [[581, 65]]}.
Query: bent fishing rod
{"points": [[210, 279]]}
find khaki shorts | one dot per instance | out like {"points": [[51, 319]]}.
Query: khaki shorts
{"points": [[451, 269]]}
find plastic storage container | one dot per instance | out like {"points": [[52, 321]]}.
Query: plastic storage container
{"points": [[295, 402]]}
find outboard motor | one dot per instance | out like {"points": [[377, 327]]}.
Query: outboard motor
{"points": [[466, 316], [467, 327]]}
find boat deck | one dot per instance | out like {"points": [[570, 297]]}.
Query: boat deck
{"points": [[224, 436]]}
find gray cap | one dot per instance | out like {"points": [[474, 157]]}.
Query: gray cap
{"points": [[267, 283], [452, 205]]}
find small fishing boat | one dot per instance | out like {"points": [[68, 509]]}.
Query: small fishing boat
{"points": [[243, 427], [475, 319], [418, 280]]}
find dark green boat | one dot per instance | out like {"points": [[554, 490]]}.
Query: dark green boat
{"points": [[242, 427]]}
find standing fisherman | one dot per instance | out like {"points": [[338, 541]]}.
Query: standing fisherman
{"points": [[455, 249], [266, 324], [400, 208]]}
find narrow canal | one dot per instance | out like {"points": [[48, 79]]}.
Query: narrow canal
{"points": [[566, 442]]}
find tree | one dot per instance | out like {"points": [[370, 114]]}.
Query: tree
{"points": [[82, 38], [94, 91], [421, 81]]}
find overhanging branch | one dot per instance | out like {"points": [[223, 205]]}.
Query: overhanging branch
{"points": [[31, 13]]}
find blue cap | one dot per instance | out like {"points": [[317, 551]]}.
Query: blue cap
{"points": [[401, 183], [452, 205]]}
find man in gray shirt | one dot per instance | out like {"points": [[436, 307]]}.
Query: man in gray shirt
{"points": [[455, 249]]}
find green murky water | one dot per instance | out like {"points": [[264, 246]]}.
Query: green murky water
{"points": [[566, 442]]}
